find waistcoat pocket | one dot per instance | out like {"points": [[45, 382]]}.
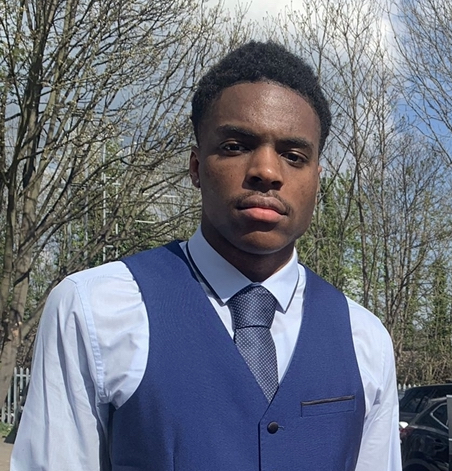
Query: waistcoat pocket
{"points": [[332, 405]]}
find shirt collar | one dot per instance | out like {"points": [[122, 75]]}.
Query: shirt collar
{"points": [[225, 280]]}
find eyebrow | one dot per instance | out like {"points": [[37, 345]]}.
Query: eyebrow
{"points": [[296, 142], [229, 129]]}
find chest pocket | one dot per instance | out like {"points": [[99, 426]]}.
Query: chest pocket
{"points": [[332, 405]]}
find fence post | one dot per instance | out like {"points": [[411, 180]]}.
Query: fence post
{"points": [[13, 403]]}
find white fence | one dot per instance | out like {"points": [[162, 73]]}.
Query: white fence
{"points": [[13, 403], [403, 387]]}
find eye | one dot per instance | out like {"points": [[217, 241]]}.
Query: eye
{"points": [[233, 148], [295, 158]]}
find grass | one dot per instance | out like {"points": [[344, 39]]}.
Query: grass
{"points": [[5, 429]]}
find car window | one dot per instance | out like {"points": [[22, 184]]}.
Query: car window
{"points": [[411, 404], [443, 391], [440, 415], [427, 420], [417, 402], [423, 403]]}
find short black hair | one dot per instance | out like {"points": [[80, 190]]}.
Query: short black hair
{"points": [[257, 62]]}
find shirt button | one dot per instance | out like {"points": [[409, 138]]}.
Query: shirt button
{"points": [[272, 427]]}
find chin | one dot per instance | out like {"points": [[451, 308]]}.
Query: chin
{"points": [[263, 244]]}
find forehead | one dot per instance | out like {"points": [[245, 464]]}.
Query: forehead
{"points": [[266, 108]]}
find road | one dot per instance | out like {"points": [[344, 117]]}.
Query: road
{"points": [[5, 453]]}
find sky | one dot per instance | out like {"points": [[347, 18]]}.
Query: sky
{"points": [[259, 8]]}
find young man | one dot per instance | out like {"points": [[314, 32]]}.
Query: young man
{"points": [[222, 353]]}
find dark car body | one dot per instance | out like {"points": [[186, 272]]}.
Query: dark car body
{"points": [[416, 399], [425, 441]]}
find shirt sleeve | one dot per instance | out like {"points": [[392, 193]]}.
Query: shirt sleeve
{"points": [[380, 445], [62, 426]]}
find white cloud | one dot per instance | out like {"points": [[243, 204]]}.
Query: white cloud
{"points": [[258, 9]]}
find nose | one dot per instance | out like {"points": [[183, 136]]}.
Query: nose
{"points": [[264, 169]]}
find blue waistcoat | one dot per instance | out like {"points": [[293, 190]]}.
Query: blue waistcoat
{"points": [[199, 408]]}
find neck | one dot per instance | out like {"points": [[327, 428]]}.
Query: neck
{"points": [[256, 266]]}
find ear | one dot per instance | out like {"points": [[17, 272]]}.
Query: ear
{"points": [[194, 167], [319, 171]]}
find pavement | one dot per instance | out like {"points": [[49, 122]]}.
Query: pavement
{"points": [[5, 453]]}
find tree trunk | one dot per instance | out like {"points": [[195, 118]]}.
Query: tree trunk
{"points": [[8, 358]]}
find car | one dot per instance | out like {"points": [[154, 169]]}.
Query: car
{"points": [[416, 399], [425, 441]]}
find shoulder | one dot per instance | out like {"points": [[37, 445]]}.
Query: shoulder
{"points": [[365, 319], [103, 274], [367, 328], [107, 297], [104, 306], [78, 287], [87, 290], [374, 351]]}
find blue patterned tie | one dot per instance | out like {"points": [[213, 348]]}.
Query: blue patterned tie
{"points": [[253, 309]]}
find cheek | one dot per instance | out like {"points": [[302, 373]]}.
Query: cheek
{"points": [[220, 178], [306, 198], [214, 188]]}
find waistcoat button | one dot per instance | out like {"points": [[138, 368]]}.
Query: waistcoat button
{"points": [[272, 427]]}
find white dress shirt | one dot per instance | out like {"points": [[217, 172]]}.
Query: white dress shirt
{"points": [[92, 347]]}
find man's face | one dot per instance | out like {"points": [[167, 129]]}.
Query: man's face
{"points": [[257, 167]]}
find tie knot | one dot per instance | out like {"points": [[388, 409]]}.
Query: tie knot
{"points": [[253, 306]]}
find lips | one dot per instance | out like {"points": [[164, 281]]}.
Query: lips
{"points": [[262, 209], [263, 202]]}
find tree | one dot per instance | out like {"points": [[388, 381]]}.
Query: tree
{"points": [[423, 35], [94, 132], [437, 327], [344, 41], [331, 243], [384, 209]]}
